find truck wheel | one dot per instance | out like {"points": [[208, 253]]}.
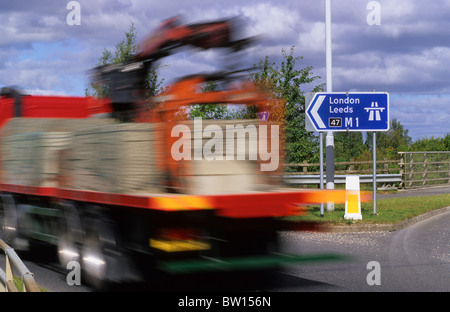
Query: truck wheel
{"points": [[8, 219], [99, 251], [70, 234]]}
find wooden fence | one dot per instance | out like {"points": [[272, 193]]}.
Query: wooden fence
{"points": [[424, 168], [346, 167], [416, 168]]}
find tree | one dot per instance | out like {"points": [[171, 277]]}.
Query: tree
{"points": [[391, 142], [431, 144], [446, 142], [348, 145], [210, 111], [124, 52], [286, 81]]}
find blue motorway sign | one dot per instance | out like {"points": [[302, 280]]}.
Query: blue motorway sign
{"points": [[349, 111]]}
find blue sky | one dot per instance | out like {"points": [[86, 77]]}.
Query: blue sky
{"points": [[407, 54]]}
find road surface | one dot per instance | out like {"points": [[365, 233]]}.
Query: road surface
{"points": [[416, 259], [413, 259], [426, 191]]}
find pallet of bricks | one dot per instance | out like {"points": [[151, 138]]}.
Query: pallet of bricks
{"points": [[225, 170], [122, 158], [31, 149], [105, 156], [116, 158]]}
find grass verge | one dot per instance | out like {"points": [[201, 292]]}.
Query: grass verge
{"points": [[19, 285], [389, 211]]}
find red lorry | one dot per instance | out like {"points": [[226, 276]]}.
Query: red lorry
{"points": [[119, 203]]}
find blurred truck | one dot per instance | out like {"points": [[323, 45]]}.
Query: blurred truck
{"points": [[122, 184]]}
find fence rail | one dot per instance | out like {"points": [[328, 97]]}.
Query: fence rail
{"points": [[411, 169], [6, 277], [307, 179], [425, 168], [349, 167]]}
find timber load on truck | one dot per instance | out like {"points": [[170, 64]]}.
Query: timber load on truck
{"points": [[123, 186]]}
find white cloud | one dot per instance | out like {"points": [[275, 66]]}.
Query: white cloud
{"points": [[312, 38], [424, 71], [44, 92], [17, 28], [273, 21], [30, 73], [423, 115]]}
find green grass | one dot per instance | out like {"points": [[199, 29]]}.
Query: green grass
{"points": [[389, 211], [19, 285]]}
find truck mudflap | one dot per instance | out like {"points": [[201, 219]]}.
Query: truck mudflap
{"points": [[268, 261]]}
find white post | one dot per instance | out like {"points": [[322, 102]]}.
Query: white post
{"points": [[330, 166], [328, 44], [330, 137], [353, 200]]}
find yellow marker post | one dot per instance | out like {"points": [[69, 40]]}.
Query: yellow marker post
{"points": [[353, 200]]}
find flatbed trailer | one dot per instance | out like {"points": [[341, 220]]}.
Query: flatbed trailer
{"points": [[176, 233], [278, 203]]}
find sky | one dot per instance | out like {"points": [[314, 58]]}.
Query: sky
{"points": [[398, 46]]}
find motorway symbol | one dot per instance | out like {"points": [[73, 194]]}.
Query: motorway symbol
{"points": [[374, 109], [348, 111]]}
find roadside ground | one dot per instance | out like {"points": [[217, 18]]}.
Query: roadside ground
{"points": [[395, 210]]}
